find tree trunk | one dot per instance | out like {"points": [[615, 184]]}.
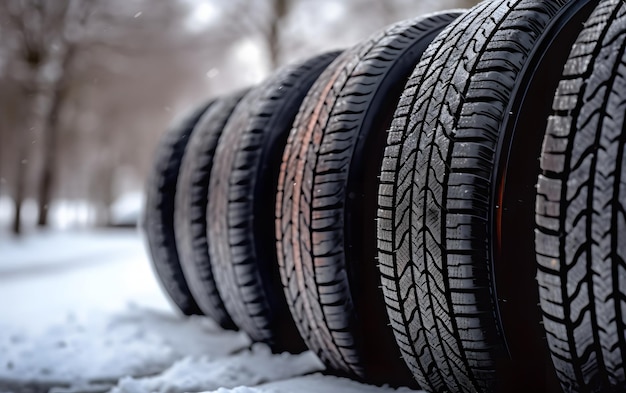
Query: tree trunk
{"points": [[280, 10], [50, 135], [20, 181], [17, 217]]}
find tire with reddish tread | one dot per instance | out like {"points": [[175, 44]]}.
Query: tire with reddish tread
{"points": [[240, 211], [326, 202]]}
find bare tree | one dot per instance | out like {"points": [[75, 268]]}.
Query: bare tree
{"points": [[72, 25], [280, 9], [57, 49], [90, 85], [39, 33]]}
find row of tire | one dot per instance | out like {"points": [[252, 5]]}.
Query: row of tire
{"points": [[442, 206]]}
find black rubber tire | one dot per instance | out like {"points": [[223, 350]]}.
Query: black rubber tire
{"points": [[158, 219], [241, 206], [436, 196], [190, 213], [326, 203], [581, 210]]}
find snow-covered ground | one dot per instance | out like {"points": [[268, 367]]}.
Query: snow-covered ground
{"points": [[83, 312]]}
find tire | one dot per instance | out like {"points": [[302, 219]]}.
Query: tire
{"points": [[190, 213], [581, 210], [241, 206], [438, 201], [326, 203], [158, 220]]}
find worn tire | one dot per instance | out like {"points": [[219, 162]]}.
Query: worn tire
{"points": [[190, 213], [436, 198], [158, 220], [326, 203], [241, 205], [581, 210]]}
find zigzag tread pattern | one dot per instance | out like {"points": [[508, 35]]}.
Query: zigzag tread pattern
{"points": [[254, 300], [580, 210], [439, 160], [312, 196]]}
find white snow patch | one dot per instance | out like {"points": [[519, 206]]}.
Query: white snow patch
{"points": [[247, 368], [315, 384], [56, 248], [52, 276], [139, 343], [239, 389], [127, 209], [81, 312]]}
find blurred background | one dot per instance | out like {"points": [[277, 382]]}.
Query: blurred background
{"points": [[87, 87]]}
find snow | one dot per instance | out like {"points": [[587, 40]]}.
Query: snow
{"points": [[246, 368], [81, 312], [64, 214], [50, 276], [127, 209]]}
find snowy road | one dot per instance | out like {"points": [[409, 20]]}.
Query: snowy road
{"points": [[82, 312]]}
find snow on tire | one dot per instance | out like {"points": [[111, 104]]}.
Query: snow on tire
{"points": [[158, 220], [326, 203], [581, 210], [437, 196], [190, 213], [241, 205]]}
